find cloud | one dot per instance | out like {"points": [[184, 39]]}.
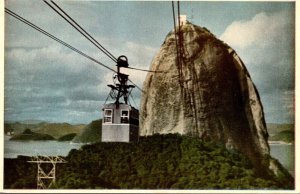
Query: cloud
{"points": [[261, 31], [266, 45], [279, 106], [53, 83], [138, 55], [288, 100], [45, 80], [264, 41], [42, 81]]}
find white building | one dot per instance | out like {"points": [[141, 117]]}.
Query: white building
{"points": [[182, 20]]}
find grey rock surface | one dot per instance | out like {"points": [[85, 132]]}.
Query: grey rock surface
{"points": [[211, 95]]}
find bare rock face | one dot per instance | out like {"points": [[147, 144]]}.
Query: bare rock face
{"points": [[210, 95]]}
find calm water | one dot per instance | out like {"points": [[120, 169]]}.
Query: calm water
{"points": [[32, 148], [283, 152]]}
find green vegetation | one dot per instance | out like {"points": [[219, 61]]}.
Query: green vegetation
{"points": [[29, 135], [90, 134], [18, 173], [67, 137], [156, 162], [286, 136]]}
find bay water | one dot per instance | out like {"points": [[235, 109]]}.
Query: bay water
{"points": [[285, 154], [33, 148]]}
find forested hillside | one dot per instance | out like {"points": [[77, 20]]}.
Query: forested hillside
{"points": [[155, 162]]}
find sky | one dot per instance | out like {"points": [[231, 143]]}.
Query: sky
{"points": [[47, 81]]}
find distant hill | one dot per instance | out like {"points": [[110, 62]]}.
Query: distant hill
{"points": [[89, 134], [55, 130], [67, 137], [32, 121], [29, 135], [18, 127], [286, 136], [276, 128], [58, 130], [281, 132]]}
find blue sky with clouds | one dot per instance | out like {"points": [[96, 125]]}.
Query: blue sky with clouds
{"points": [[46, 81]]}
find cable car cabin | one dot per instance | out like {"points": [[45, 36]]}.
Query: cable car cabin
{"points": [[120, 124], [120, 121]]}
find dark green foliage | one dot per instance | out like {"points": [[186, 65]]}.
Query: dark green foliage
{"points": [[19, 174], [159, 162], [90, 133], [27, 132], [29, 135], [67, 137], [162, 162]]}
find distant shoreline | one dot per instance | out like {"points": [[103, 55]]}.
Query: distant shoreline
{"points": [[279, 143], [7, 137]]}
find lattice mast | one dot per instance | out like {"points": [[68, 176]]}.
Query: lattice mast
{"points": [[46, 179]]}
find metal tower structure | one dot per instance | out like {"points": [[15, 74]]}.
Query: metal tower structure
{"points": [[45, 179]]}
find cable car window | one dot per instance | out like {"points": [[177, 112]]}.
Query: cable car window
{"points": [[108, 114], [124, 116]]}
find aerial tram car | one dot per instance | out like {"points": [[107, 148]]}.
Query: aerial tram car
{"points": [[120, 121]]}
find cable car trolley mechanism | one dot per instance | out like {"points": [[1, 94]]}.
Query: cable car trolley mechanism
{"points": [[120, 120]]}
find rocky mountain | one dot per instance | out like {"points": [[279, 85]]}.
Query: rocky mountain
{"points": [[209, 94]]}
